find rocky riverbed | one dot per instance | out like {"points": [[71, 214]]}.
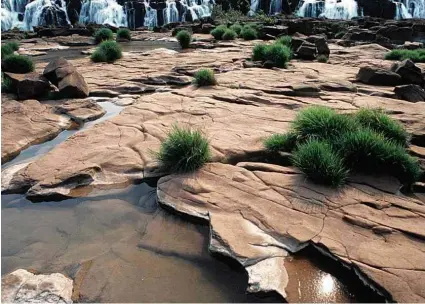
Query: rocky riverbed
{"points": [[258, 214]]}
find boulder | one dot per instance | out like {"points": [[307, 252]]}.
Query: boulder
{"points": [[410, 92], [275, 30], [321, 44], [377, 76], [29, 86], [409, 72], [70, 82], [396, 33], [22, 286], [296, 42], [307, 51], [360, 35], [412, 45]]}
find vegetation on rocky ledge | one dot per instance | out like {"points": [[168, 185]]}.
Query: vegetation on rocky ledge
{"points": [[403, 54], [322, 58], [218, 32], [229, 35], [107, 51], [124, 33], [275, 54], [184, 38], [17, 64], [103, 34], [184, 150], [249, 33], [327, 145], [205, 77]]}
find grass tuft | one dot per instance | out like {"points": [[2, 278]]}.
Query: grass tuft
{"points": [[281, 142], [275, 53], [218, 32], [107, 51], [285, 40], [184, 38], [320, 163], [124, 33], [322, 58], [229, 35], [249, 33], [237, 28], [17, 64], [402, 54], [205, 77], [183, 150], [103, 34]]}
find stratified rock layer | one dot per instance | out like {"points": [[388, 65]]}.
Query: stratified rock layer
{"points": [[22, 286], [366, 225]]}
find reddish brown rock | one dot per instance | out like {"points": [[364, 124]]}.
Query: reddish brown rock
{"points": [[31, 85]]}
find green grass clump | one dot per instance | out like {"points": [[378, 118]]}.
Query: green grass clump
{"points": [[317, 160], [402, 54], [17, 64], [6, 50], [107, 51], [6, 84], [237, 28], [124, 33], [285, 40], [276, 53], [380, 122], [249, 33], [205, 77], [103, 34], [218, 32], [322, 58], [183, 150], [367, 141], [14, 45], [229, 35], [184, 38], [281, 142], [370, 152], [322, 123]]}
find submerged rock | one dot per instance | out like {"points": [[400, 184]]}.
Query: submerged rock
{"points": [[365, 225], [22, 286]]}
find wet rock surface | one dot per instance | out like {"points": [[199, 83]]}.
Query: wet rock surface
{"points": [[22, 286]]}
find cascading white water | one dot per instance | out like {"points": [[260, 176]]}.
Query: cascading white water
{"points": [[275, 7], [151, 16], [332, 9], [200, 9], [416, 8], [34, 12], [10, 11], [254, 7], [171, 13], [103, 12], [401, 11]]}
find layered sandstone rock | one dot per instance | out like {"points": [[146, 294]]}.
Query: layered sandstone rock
{"points": [[366, 225]]}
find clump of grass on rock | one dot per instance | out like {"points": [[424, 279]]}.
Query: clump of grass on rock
{"points": [[229, 35], [8, 48], [218, 32], [285, 40], [236, 28], [17, 64], [124, 34], [205, 77], [184, 38], [103, 34], [403, 54], [107, 51], [276, 54], [329, 145], [322, 58], [184, 150], [249, 33]]}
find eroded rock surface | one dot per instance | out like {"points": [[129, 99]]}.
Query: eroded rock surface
{"points": [[22, 286], [366, 226], [27, 123]]}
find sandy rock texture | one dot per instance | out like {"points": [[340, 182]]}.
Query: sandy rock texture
{"points": [[265, 209], [22, 286]]}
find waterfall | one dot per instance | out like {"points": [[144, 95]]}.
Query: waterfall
{"points": [[103, 12], [151, 16], [275, 7], [416, 8], [200, 9], [254, 7], [171, 13], [401, 11], [332, 9], [45, 12], [11, 10]]}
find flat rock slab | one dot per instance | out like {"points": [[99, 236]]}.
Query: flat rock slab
{"points": [[364, 225], [28, 123], [81, 110], [22, 286]]}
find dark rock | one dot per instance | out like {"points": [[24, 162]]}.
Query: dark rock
{"points": [[268, 64], [297, 42], [307, 51], [276, 30], [252, 64], [409, 72], [412, 45], [377, 76], [410, 92], [360, 35], [63, 74], [207, 28], [27, 86], [396, 33], [321, 44]]}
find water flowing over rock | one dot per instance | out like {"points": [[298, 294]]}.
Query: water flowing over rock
{"points": [[332, 9], [103, 12], [22, 286]]}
